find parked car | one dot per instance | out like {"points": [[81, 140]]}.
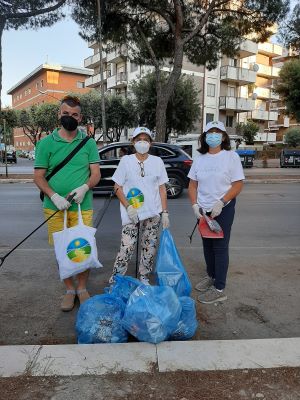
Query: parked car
{"points": [[177, 163], [10, 156], [31, 155]]}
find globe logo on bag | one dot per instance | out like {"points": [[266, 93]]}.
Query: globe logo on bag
{"points": [[79, 250], [135, 197]]}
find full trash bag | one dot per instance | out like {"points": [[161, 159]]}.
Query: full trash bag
{"points": [[99, 320], [152, 313], [169, 268], [187, 325], [123, 287]]}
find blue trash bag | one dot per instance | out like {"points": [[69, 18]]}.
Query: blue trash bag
{"points": [[123, 287], [152, 313], [99, 320], [188, 324], [169, 268]]}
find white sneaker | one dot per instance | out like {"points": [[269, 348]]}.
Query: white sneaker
{"points": [[144, 280]]}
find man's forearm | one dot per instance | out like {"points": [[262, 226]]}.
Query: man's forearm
{"points": [[43, 185]]}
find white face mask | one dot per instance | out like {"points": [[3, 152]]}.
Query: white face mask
{"points": [[142, 146]]}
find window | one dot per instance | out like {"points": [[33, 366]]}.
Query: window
{"points": [[229, 121], [80, 85], [231, 91], [37, 85], [108, 155], [42, 82], [211, 89], [209, 117], [133, 67], [161, 152]]}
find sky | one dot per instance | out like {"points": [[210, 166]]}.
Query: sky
{"points": [[25, 50]]}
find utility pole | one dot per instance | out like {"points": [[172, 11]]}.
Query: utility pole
{"points": [[101, 72]]}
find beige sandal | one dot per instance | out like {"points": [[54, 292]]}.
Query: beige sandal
{"points": [[68, 301], [83, 295]]}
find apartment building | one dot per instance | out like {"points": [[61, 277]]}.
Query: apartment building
{"points": [[46, 84], [237, 90]]}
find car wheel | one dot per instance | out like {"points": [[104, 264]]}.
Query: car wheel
{"points": [[175, 186]]}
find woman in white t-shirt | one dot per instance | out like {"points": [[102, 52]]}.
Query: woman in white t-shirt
{"points": [[216, 178], [140, 186]]}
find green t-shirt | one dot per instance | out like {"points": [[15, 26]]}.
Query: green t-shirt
{"points": [[53, 149]]}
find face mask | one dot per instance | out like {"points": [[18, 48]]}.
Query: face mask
{"points": [[69, 123], [142, 146], [213, 139]]}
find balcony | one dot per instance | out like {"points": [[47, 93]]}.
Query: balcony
{"points": [[117, 81], [94, 60], [117, 55], [270, 49], [268, 71], [241, 76], [247, 49], [95, 80], [265, 93], [265, 137], [263, 115], [238, 104]]}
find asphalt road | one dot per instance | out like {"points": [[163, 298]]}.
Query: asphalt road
{"points": [[263, 282]]}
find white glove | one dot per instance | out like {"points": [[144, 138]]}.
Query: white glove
{"points": [[196, 211], [165, 220], [80, 193], [60, 202], [132, 214], [217, 209]]}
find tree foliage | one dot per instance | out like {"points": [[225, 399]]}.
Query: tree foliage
{"points": [[38, 120], [27, 14], [290, 29], [292, 137], [157, 30], [10, 117], [183, 108], [288, 86], [248, 130], [120, 113]]}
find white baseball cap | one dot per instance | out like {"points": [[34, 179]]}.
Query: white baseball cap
{"points": [[142, 129], [215, 124]]}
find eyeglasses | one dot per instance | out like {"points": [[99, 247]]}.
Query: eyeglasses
{"points": [[75, 99], [141, 164]]}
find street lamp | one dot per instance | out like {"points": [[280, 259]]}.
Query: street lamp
{"points": [[101, 72]]}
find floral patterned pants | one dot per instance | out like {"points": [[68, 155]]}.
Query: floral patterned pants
{"points": [[149, 235]]}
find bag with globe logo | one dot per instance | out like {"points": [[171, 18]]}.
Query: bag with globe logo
{"points": [[75, 248]]}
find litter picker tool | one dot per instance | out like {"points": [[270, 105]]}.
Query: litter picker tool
{"points": [[2, 259], [191, 235]]}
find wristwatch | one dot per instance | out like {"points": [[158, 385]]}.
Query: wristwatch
{"points": [[223, 201], [165, 211]]}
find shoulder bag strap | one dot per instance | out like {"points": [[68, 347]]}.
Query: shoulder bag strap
{"points": [[68, 158]]}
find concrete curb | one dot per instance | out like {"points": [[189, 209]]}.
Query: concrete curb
{"points": [[101, 359]]}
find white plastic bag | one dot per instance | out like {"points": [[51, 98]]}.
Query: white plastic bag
{"points": [[75, 248]]}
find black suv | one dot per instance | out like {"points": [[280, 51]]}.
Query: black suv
{"points": [[177, 163]]}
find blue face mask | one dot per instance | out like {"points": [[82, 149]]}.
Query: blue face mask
{"points": [[213, 139]]}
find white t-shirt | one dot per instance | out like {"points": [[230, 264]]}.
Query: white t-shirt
{"points": [[141, 192], [214, 174]]}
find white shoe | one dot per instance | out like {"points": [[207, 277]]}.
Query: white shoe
{"points": [[144, 280]]}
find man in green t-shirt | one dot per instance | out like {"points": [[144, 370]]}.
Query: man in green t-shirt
{"points": [[78, 176]]}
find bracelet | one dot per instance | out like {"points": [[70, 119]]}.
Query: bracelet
{"points": [[165, 211]]}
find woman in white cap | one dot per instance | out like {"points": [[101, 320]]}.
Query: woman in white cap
{"points": [[216, 178], [140, 186]]}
